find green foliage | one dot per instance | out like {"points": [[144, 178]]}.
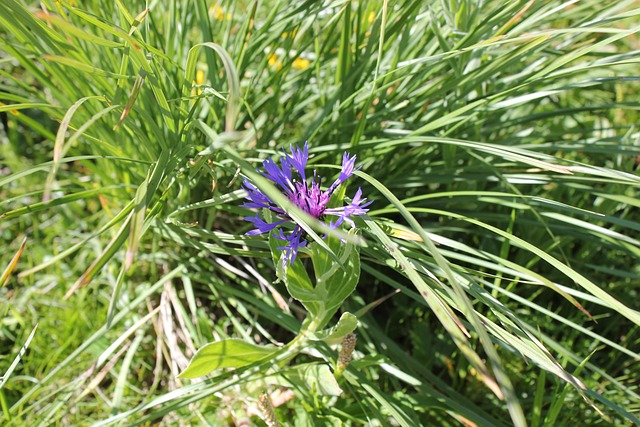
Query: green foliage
{"points": [[333, 281], [494, 281], [224, 354]]}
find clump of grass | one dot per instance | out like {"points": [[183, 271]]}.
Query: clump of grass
{"points": [[499, 272]]}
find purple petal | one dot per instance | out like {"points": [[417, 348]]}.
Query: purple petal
{"points": [[348, 166], [298, 159], [358, 203], [310, 198], [281, 177], [257, 199], [295, 241], [261, 226], [337, 223], [305, 194], [355, 208]]}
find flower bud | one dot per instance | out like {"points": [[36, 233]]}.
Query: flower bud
{"points": [[348, 345], [269, 415]]}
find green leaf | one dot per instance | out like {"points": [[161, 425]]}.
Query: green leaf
{"points": [[230, 353], [316, 378], [335, 282], [295, 278], [347, 324]]}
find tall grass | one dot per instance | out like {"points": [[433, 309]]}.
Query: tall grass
{"points": [[500, 275]]}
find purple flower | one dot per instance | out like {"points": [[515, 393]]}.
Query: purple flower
{"points": [[305, 193]]}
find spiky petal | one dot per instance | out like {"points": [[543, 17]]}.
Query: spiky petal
{"points": [[305, 193]]}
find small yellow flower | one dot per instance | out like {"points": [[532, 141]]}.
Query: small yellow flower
{"points": [[301, 64], [292, 34], [371, 17], [199, 77], [274, 61], [217, 13], [199, 80]]}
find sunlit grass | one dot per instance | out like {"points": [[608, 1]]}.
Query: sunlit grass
{"points": [[498, 142]]}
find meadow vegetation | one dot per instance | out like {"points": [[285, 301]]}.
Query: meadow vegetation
{"points": [[499, 271]]}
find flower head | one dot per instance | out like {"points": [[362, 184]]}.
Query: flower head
{"points": [[305, 193]]}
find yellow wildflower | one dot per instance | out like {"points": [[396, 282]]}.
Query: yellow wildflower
{"points": [[274, 61], [199, 81], [292, 34], [301, 64], [217, 13], [199, 77]]}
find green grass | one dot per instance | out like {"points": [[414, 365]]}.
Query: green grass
{"points": [[500, 279]]}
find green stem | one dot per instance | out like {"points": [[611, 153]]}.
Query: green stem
{"points": [[313, 326], [5, 407], [291, 349]]}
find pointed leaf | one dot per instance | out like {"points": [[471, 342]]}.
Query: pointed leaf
{"points": [[347, 324], [230, 353]]}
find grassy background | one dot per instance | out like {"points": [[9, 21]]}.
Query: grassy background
{"points": [[498, 143]]}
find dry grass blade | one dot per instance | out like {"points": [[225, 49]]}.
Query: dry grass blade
{"points": [[12, 264]]}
